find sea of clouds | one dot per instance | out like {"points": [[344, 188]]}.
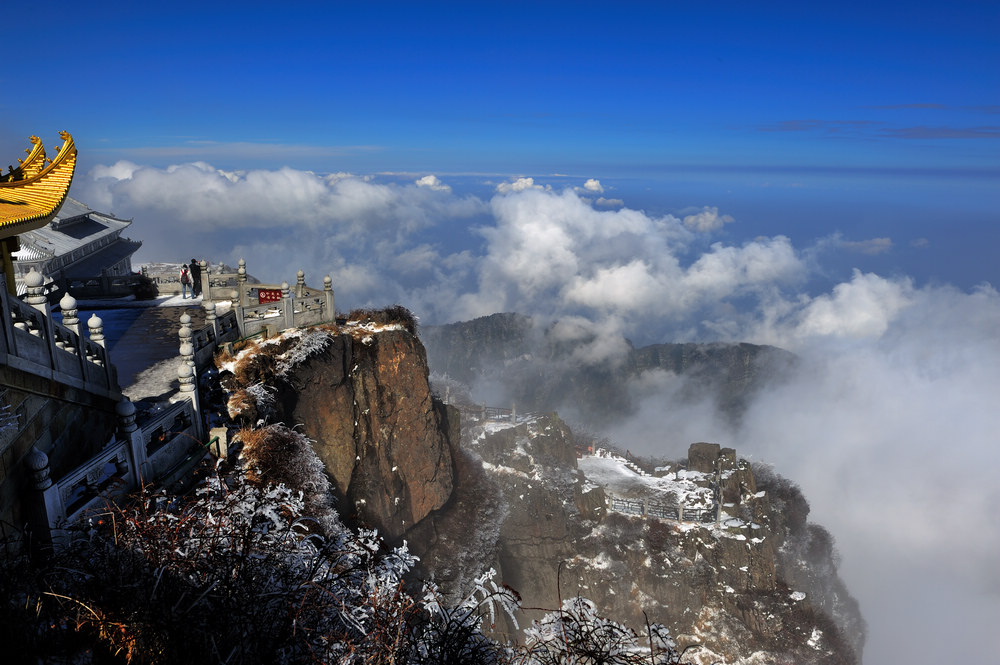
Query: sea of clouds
{"points": [[890, 423]]}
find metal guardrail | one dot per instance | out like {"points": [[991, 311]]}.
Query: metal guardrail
{"points": [[678, 512]]}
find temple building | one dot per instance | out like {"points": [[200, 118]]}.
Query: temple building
{"points": [[77, 243], [31, 194]]}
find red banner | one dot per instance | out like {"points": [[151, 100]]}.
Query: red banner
{"points": [[268, 295]]}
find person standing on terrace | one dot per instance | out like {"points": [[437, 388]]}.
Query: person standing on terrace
{"points": [[195, 270], [185, 278]]}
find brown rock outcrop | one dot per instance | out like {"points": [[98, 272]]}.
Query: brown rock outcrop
{"points": [[365, 401]]}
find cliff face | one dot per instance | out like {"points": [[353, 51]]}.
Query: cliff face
{"points": [[728, 574], [361, 395], [723, 558]]}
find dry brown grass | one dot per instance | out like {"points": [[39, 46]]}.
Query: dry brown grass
{"points": [[392, 315]]}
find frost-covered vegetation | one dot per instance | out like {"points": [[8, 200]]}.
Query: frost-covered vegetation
{"points": [[248, 570], [392, 315]]}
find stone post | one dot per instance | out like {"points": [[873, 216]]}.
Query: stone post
{"points": [[211, 319], [34, 281], [513, 413], [189, 391], [206, 283], [38, 464], [47, 510], [221, 447], [300, 283], [331, 313], [69, 312], [187, 346], [135, 442], [96, 326], [241, 283], [287, 306]]}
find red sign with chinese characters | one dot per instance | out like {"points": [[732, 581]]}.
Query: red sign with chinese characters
{"points": [[268, 295]]}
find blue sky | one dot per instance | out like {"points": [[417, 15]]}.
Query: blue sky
{"points": [[820, 176], [533, 87], [885, 116]]}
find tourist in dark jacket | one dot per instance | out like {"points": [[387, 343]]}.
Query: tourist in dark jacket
{"points": [[195, 278]]}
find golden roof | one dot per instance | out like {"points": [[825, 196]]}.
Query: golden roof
{"points": [[32, 193]]}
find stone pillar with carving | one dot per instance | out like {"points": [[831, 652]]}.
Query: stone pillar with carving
{"points": [[300, 283], [211, 319], [96, 326], [69, 313], [34, 282], [206, 282], [241, 283], [287, 306], [129, 430], [186, 342], [46, 509], [189, 390], [331, 313]]}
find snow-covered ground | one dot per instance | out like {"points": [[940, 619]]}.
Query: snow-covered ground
{"points": [[617, 477]]}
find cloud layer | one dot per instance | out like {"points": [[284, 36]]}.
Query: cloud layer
{"points": [[889, 427], [528, 248]]}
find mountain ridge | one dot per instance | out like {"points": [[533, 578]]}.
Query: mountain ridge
{"points": [[515, 359]]}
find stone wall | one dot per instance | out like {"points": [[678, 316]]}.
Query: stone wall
{"points": [[68, 424]]}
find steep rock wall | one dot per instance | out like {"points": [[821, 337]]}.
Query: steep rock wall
{"points": [[362, 396], [723, 586]]}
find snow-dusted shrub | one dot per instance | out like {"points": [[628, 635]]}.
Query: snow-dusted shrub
{"points": [[469, 531], [251, 404], [234, 574], [394, 314], [454, 634], [310, 343], [578, 635], [276, 454]]}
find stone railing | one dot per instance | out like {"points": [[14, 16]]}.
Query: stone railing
{"points": [[32, 341], [650, 508], [267, 308], [161, 451], [499, 413], [198, 346], [271, 308], [102, 286]]}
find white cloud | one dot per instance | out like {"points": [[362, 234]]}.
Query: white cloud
{"points": [[863, 307], [432, 182], [593, 185], [376, 236], [609, 203], [892, 440], [708, 219], [888, 424], [121, 170], [520, 185]]}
